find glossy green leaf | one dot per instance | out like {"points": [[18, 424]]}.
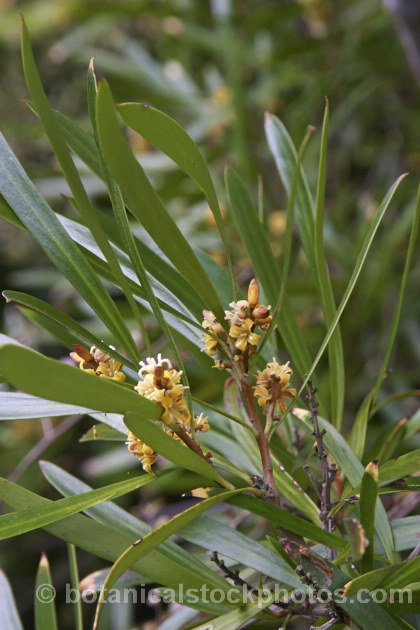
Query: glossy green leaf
{"points": [[48, 378], [335, 346], [144, 545], [368, 497], [9, 613], [144, 202], [168, 136], [20, 522], [44, 226], [109, 543], [45, 612], [174, 451], [82, 202]]}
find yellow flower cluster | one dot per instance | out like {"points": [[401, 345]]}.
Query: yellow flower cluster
{"points": [[273, 385], [245, 316], [162, 384], [97, 362], [145, 453]]}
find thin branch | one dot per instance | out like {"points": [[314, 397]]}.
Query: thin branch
{"points": [[328, 471]]}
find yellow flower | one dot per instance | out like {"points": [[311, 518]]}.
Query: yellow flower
{"points": [[201, 423], [97, 362], [211, 345], [244, 335], [162, 384], [273, 382], [142, 451]]}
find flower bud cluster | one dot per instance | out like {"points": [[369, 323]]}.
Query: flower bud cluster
{"points": [[245, 316], [97, 362]]}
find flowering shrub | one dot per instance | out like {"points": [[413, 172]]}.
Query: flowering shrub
{"points": [[272, 453]]}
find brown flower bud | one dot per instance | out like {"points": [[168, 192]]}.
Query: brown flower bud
{"points": [[260, 312], [253, 292]]}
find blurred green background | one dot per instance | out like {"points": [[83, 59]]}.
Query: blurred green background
{"points": [[216, 67]]}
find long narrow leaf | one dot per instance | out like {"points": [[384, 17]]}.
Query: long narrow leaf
{"points": [[20, 522], [143, 546], [48, 378], [144, 202], [64, 320], [59, 146], [355, 274], [285, 157], [109, 543], [9, 613], [41, 222], [168, 136], [45, 612], [335, 347]]}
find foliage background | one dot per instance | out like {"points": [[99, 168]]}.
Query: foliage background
{"points": [[216, 67]]}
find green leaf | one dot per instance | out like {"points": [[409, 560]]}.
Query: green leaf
{"points": [[265, 266], [335, 347], [144, 202], [165, 445], [64, 320], [45, 613], [48, 378], [7, 213], [82, 202], [168, 136], [121, 521], [286, 520], [9, 613], [44, 226], [14, 406], [368, 497], [357, 437], [285, 157], [355, 274], [20, 522], [400, 467], [109, 543], [144, 545], [406, 574], [210, 533]]}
